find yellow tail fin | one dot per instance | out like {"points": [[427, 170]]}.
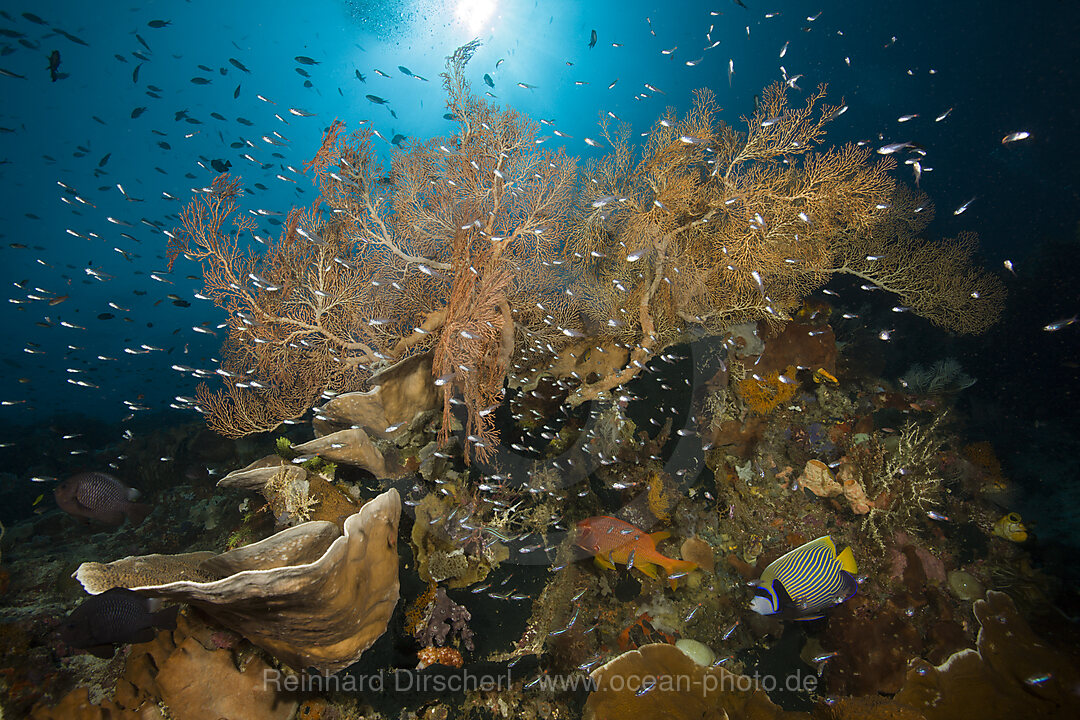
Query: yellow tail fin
{"points": [[677, 567], [847, 561]]}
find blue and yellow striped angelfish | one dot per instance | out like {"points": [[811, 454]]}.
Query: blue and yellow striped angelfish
{"points": [[806, 581]]}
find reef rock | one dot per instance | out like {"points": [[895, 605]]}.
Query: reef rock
{"points": [[809, 345], [700, 553], [662, 681], [182, 674], [1010, 674], [310, 595], [197, 683]]}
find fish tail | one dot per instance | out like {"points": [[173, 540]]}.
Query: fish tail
{"points": [[677, 567], [847, 561], [137, 512], [166, 619]]}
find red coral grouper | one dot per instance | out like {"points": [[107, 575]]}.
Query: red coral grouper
{"points": [[612, 541]]}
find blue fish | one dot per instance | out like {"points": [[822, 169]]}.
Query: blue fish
{"points": [[807, 580]]}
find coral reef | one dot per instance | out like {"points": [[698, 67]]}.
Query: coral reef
{"points": [[439, 543], [896, 480], [444, 616], [500, 256], [1011, 673], [818, 479], [439, 655], [945, 375], [409, 298], [294, 494], [181, 675], [332, 592], [659, 680], [763, 394]]}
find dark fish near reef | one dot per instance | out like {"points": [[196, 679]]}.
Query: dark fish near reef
{"points": [[488, 81], [220, 165], [377, 99], [592, 40], [807, 580], [613, 541], [115, 617], [305, 60], [54, 66], [100, 496]]}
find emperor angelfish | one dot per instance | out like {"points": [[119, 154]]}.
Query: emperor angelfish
{"points": [[807, 580]]}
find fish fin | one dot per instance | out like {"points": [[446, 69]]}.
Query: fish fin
{"points": [[137, 512], [133, 494], [105, 652], [783, 600], [658, 536], [143, 635], [110, 518], [604, 562], [677, 568], [847, 561], [166, 619], [823, 541], [647, 568]]}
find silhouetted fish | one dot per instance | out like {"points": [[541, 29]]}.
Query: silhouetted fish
{"points": [[115, 617], [102, 497], [54, 66]]}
